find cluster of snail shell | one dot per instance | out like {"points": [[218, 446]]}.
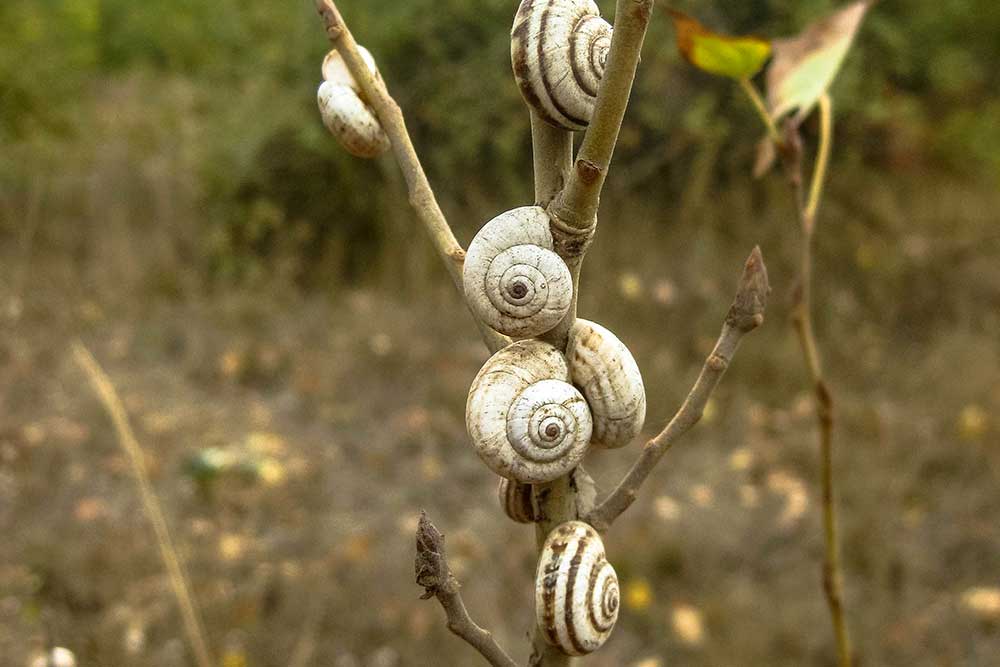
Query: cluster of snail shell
{"points": [[345, 112], [534, 410]]}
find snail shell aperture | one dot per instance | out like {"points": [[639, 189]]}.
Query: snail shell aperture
{"points": [[605, 371], [345, 113], [513, 279], [576, 590], [525, 420], [558, 50]]}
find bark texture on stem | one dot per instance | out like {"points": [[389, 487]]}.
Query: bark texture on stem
{"points": [[421, 195], [435, 576], [802, 321], [745, 315]]}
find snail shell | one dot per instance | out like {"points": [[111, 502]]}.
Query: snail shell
{"points": [[576, 590], [515, 499], [526, 421], [344, 113], [558, 50], [605, 371], [513, 279]]}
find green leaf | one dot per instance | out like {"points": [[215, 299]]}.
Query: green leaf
{"points": [[805, 66], [735, 57]]}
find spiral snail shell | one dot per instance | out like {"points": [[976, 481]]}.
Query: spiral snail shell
{"points": [[576, 590], [515, 499], [344, 113], [558, 51], [605, 371], [525, 420], [513, 279]]}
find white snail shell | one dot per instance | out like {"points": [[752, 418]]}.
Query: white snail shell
{"points": [[515, 499], [513, 279], [345, 113], [558, 50], [605, 371], [525, 420], [576, 590]]}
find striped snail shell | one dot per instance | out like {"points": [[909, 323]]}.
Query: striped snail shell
{"points": [[558, 50], [605, 371], [345, 113], [515, 499], [576, 590], [513, 279], [525, 420]]}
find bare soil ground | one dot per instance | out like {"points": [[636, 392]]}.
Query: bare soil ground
{"points": [[340, 418]]}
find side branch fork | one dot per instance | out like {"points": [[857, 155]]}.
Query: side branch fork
{"points": [[421, 195], [745, 315], [576, 206], [435, 576]]}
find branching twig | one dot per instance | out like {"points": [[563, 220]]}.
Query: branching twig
{"points": [[802, 321], [435, 576], [391, 117], [576, 207], [151, 506], [745, 315]]}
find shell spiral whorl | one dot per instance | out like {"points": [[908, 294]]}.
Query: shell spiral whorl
{"points": [[513, 279], [605, 371], [558, 51], [576, 590], [525, 420], [345, 113]]}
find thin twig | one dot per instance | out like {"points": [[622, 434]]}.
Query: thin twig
{"points": [[435, 576], [761, 108], [421, 194], [151, 505], [803, 323], [576, 207], [745, 315]]}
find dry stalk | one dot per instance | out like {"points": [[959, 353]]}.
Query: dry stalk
{"points": [[808, 205], [150, 504]]}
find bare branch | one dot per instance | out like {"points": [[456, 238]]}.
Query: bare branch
{"points": [[435, 576], [802, 322], [577, 206], [421, 194], [745, 315]]}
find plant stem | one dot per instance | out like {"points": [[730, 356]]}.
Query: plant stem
{"points": [[760, 108], [434, 574], [745, 315], [421, 194], [576, 207], [803, 323], [555, 502], [822, 159], [180, 585]]}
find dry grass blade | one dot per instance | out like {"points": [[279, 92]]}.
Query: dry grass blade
{"points": [[150, 504]]}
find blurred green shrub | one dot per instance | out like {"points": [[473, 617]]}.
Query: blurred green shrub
{"points": [[270, 187]]}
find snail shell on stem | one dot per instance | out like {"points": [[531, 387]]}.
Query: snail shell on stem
{"points": [[605, 371], [515, 499], [345, 113], [559, 49], [526, 422], [576, 590], [513, 279]]}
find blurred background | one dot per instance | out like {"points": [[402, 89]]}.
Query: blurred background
{"points": [[295, 361]]}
